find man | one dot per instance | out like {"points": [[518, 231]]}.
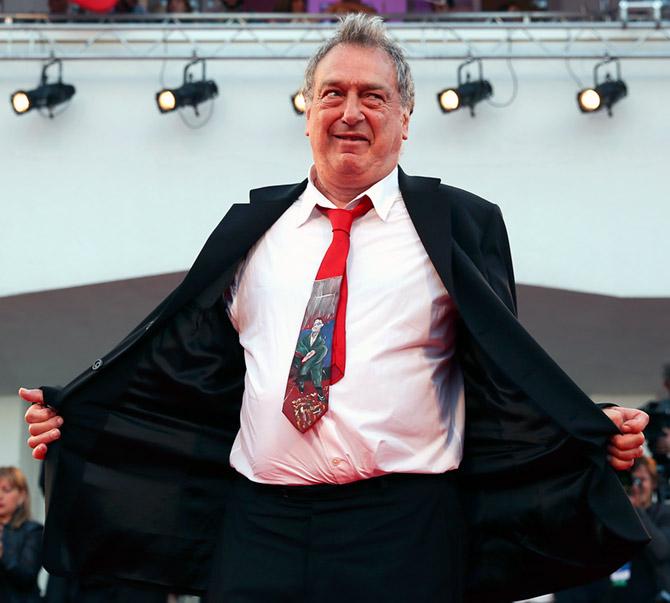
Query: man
{"points": [[365, 503]]}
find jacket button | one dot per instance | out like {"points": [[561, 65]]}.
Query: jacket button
{"points": [[96, 365]]}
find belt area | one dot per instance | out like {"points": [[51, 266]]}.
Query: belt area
{"points": [[351, 489]]}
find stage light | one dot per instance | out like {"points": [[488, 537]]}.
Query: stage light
{"points": [[46, 95], [190, 94], [20, 102], [589, 100], [449, 100], [605, 93], [467, 93], [298, 102], [166, 101]]}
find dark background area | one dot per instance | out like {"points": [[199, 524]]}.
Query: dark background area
{"points": [[608, 345]]}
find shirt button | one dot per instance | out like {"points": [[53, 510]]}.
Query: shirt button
{"points": [[336, 461]]}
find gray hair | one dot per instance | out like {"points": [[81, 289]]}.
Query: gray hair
{"points": [[359, 29]]}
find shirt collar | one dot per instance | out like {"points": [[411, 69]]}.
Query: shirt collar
{"points": [[382, 194]]}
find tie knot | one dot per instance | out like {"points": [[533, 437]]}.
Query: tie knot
{"points": [[342, 219]]}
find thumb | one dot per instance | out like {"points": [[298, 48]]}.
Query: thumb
{"points": [[34, 396], [616, 416]]}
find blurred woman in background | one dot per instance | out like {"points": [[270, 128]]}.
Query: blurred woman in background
{"points": [[20, 540], [650, 569]]}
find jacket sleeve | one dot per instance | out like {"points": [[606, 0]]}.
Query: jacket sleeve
{"points": [[22, 555], [498, 259], [50, 394]]}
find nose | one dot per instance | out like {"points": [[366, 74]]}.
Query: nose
{"points": [[352, 110]]}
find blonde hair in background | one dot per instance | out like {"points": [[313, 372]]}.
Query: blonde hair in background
{"points": [[650, 465], [18, 480]]}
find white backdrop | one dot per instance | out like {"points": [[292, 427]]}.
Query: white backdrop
{"points": [[111, 189]]}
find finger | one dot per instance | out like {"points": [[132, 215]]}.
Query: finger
{"points": [[627, 441], [38, 414], [619, 465], [40, 452], [34, 396], [45, 438], [615, 415], [636, 423], [39, 428], [625, 455]]}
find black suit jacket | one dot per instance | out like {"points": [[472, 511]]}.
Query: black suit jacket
{"points": [[137, 485]]}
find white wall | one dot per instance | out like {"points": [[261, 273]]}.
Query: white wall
{"points": [[110, 189], [10, 435]]}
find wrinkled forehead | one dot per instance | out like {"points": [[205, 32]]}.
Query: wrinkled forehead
{"points": [[368, 65]]}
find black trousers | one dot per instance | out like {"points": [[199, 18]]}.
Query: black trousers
{"points": [[396, 538]]}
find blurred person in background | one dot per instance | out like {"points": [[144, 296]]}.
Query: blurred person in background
{"points": [[342, 7], [58, 6], [443, 6], [178, 6], [225, 6], [646, 578], [20, 540], [129, 7], [658, 433], [649, 580], [290, 6]]}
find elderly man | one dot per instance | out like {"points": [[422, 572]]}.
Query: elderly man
{"points": [[450, 455]]}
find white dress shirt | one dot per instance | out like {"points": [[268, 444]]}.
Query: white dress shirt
{"points": [[400, 405]]}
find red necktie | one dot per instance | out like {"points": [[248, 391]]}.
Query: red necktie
{"points": [[320, 354]]}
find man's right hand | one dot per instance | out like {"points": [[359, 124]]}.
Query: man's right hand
{"points": [[43, 422]]}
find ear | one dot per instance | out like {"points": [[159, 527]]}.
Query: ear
{"points": [[308, 112], [405, 124]]}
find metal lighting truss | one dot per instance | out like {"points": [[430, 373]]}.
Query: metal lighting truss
{"points": [[257, 36]]}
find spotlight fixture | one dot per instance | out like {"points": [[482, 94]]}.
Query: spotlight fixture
{"points": [[605, 92], [46, 95], [190, 94], [298, 102], [466, 94]]}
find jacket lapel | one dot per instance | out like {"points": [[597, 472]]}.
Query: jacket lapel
{"points": [[239, 230], [430, 213]]}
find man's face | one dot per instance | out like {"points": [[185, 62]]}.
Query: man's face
{"points": [[317, 326], [355, 121]]}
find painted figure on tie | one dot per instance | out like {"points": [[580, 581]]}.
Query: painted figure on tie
{"points": [[306, 397], [309, 355]]}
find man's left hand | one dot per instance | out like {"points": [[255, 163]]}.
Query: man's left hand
{"points": [[624, 448]]}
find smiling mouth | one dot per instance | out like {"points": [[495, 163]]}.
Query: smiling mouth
{"points": [[351, 137]]}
